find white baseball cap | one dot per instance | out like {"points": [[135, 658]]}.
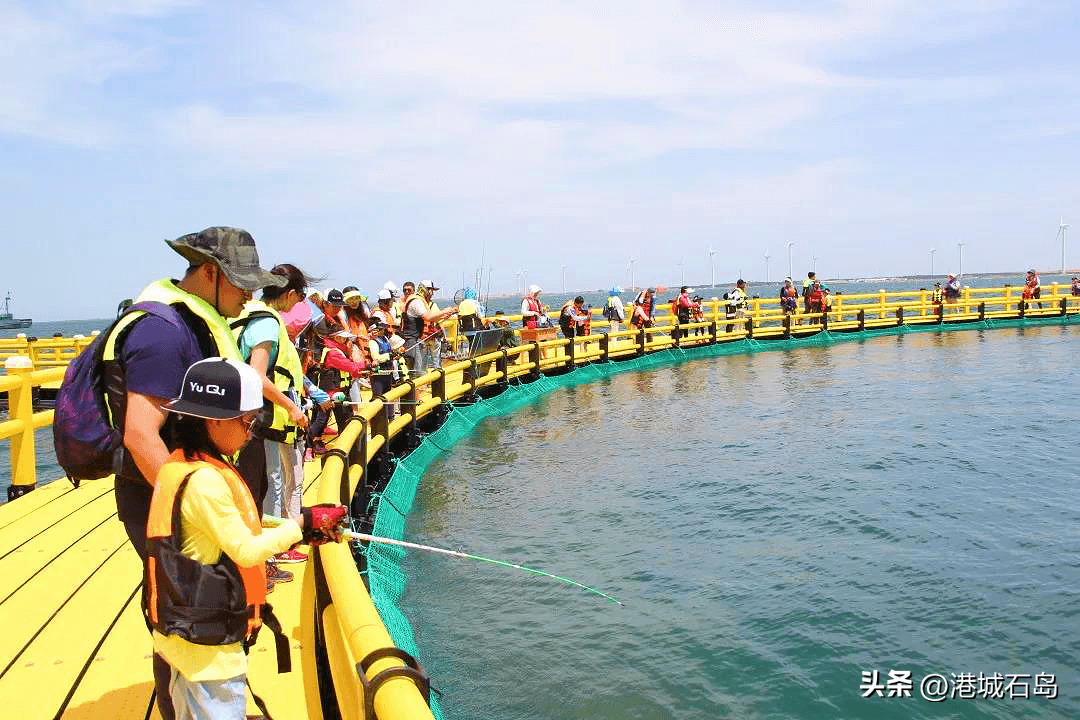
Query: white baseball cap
{"points": [[218, 389]]}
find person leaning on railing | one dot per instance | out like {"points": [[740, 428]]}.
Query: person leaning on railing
{"points": [[204, 610], [684, 308], [789, 297], [382, 360], [815, 300], [420, 328], [272, 464], [336, 371], [1032, 288], [532, 310], [951, 291], [573, 317], [644, 304], [736, 303]]}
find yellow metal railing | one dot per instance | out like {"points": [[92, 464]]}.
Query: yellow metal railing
{"points": [[341, 628], [45, 352], [19, 383]]}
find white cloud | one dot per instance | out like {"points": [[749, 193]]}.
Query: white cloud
{"points": [[596, 120]]}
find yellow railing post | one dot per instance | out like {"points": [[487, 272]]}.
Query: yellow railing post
{"points": [[21, 407], [881, 304], [922, 302]]}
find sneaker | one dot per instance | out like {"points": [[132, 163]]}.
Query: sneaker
{"points": [[292, 556], [269, 586], [273, 572]]}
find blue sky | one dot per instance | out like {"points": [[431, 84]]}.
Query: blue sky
{"points": [[367, 141]]}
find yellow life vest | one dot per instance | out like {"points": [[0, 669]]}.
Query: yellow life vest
{"points": [[286, 372], [165, 291], [332, 378]]}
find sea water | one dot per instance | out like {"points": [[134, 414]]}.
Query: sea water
{"points": [[785, 528]]}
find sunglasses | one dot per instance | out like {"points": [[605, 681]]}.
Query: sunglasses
{"points": [[250, 421]]}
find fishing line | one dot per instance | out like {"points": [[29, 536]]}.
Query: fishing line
{"points": [[364, 537]]}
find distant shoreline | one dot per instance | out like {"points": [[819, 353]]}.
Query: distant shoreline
{"points": [[444, 301]]}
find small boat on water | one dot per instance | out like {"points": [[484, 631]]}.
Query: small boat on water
{"points": [[7, 322]]}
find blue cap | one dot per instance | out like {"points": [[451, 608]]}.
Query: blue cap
{"points": [[470, 294]]}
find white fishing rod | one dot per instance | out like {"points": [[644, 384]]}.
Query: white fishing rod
{"points": [[364, 537]]}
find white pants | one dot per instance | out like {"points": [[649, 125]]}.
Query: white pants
{"points": [[284, 479]]}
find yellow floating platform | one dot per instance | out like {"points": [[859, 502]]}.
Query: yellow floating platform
{"points": [[74, 643]]}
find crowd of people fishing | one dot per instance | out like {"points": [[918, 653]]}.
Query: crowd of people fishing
{"points": [[204, 401]]}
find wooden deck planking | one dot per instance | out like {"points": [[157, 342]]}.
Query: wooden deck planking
{"points": [[85, 533], [46, 519], [59, 631], [49, 492], [76, 645]]}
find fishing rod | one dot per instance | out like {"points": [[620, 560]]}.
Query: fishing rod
{"points": [[364, 537], [487, 292]]}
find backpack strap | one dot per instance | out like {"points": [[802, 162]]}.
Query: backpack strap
{"points": [[281, 641], [240, 324], [281, 646], [113, 376]]}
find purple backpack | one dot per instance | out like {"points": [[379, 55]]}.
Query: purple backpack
{"points": [[86, 443]]}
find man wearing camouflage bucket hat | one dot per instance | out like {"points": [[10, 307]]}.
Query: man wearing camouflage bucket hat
{"points": [[173, 324]]}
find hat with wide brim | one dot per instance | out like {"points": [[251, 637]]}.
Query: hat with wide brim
{"points": [[218, 389], [232, 250]]}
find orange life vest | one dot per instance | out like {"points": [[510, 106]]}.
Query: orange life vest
{"points": [[386, 316], [231, 605], [534, 306]]}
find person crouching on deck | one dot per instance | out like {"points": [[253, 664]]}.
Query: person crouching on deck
{"points": [[204, 589]]}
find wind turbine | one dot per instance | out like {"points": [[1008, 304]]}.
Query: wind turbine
{"points": [[767, 256], [712, 268], [960, 272], [790, 244], [932, 251], [682, 272], [563, 278], [1062, 227], [630, 267], [517, 277], [813, 265]]}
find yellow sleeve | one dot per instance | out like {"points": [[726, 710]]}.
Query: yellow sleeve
{"points": [[208, 507], [376, 356]]}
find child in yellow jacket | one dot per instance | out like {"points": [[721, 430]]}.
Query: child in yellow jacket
{"points": [[205, 589]]}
